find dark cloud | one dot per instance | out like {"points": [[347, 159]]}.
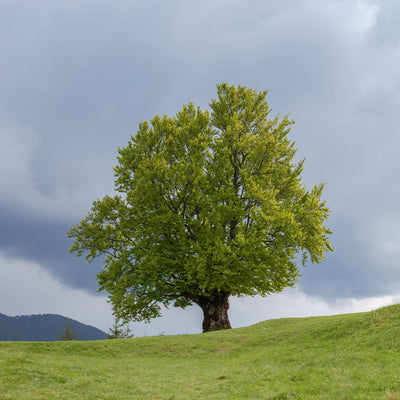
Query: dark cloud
{"points": [[28, 237], [349, 272]]}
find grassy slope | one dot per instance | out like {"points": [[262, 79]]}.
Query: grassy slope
{"points": [[353, 356]]}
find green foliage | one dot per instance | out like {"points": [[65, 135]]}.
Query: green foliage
{"points": [[209, 202], [322, 358]]}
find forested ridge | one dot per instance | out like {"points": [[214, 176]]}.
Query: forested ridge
{"points": [[44, 327]]}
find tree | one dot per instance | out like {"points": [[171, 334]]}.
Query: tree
{"points": [[118, 331], [210, 205], [68, 333]]}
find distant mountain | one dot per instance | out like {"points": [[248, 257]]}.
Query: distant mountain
{"points": [[44, 328]]}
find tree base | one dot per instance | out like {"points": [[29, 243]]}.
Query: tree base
{"points": [[215, 311]]}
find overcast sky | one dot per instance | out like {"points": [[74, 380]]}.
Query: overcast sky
{"points": [[77, 77]]}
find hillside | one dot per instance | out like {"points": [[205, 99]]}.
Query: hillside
{"points": [[352, 356], [45, 327]]}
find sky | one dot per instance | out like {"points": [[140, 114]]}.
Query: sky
{"points": [[77, 78]]}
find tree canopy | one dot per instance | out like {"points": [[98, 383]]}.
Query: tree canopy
{"points": [[210, 205]]}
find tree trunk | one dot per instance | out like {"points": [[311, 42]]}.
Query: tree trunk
{"points": [[215, 310]]}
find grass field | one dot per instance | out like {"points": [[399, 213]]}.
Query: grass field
{"points": [[352, 356]]}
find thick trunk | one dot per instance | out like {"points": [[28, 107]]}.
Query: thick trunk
{"points": [[215, 310]]}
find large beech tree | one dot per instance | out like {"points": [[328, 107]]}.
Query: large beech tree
{"points": [[210, 205]]}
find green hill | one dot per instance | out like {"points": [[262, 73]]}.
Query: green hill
{"points": [[351, 356]]}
